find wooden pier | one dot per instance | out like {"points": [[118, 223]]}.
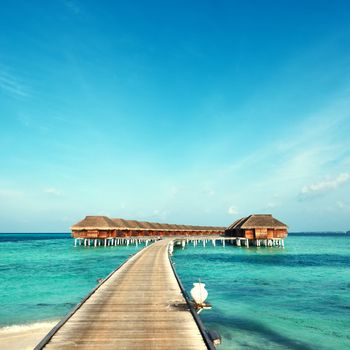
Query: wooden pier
{"points": [[138, 306]]}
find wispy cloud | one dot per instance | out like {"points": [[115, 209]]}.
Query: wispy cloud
{"points": [[325, 185], [13, 85], [342, 206], [232, 210], [54, 192]]}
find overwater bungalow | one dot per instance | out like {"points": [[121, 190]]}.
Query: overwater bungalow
{"points": [[257, 227], [102, 227]]}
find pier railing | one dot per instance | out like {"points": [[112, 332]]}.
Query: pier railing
{"points": [[196, 318]]}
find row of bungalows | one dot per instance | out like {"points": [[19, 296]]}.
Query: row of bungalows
{"points": [[258, 227], [102, 227]]}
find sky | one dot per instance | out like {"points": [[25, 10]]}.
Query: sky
{"points": [[187, 112]]}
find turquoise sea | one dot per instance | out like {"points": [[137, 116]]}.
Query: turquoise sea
{"points": [[262, 298], [273, 298]]}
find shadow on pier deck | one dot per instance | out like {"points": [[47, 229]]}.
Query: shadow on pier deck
{"points": [[139, 306]]}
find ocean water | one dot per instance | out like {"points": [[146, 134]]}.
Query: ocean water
{"points": [[263, 298], [42, 276], [272, 298]]}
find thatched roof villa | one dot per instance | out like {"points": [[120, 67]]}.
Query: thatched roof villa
{"points": [[254, 229], [104, 227], [258, 226]]}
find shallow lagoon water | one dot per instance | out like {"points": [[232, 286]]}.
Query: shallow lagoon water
{"points": [[273, 298], [42, 276], [263, 298]]}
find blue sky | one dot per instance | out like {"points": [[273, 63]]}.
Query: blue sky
{"points": [[174, 111]]}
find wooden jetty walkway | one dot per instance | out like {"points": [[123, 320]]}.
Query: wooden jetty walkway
{"points": [[139, 306]]}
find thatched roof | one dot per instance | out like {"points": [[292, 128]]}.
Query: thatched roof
{"points": [[257, 221], [132, 224], [95, 223], [105, 223]]}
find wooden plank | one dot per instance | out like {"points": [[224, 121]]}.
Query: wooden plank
{"points": [[140, 306]]}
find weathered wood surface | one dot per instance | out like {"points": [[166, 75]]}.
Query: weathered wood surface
{"points": [[139, 307]]}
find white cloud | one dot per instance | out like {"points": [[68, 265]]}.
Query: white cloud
{"points": [[325, 185], [232, 210], [53, 192]]}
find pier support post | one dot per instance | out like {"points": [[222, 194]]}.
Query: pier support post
{"points": [[171, 248], [75, 242], [238, 242]]}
